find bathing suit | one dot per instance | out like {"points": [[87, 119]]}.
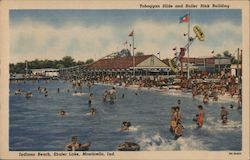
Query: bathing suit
{"points": [[200, 119]]}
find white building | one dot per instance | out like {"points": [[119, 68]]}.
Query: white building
{"points": [[50, 72]]}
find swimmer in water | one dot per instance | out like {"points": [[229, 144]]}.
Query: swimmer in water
{"points": [[46, 93], [93, 111], [231, 106], [28, 95], [125, 126], [62, 113], [18, 92]]}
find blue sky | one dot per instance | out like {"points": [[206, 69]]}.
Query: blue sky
{"points": [[83, 34]]}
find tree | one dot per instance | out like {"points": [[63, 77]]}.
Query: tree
{"points": [[80, 63], [89, 61], [227, 54], [218, 55], [20, 67], [59, 65], [67, 61], [139, 54], [12, 68]]}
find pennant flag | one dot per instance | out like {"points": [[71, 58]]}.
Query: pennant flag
{"points": [[131, 34], [184, 19]]}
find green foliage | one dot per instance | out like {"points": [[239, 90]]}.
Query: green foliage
{"points": [[139, 54], [227, 54], [89, 61], [80, 63], [66, 61]]}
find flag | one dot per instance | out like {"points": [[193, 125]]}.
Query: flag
{"points": [[184, 18], [131, 34]]}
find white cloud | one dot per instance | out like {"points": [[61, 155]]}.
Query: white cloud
{"points": [[30, 40]]}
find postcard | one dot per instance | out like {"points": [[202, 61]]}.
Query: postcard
{"points": [[124, 79]]}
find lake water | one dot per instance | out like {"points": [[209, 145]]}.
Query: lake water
{"points": [[36, 126]]}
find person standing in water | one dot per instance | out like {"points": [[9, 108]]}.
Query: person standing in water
{"points": [[178, 110], [73, 145], [200, 118], [178, 130], [89, 85], [112, 94], [205, 99], [105, 94], [173, 121], [179, 103], [90, 99], [223, 115], [178, 113]]}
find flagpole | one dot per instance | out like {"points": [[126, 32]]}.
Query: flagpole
{"points": [[188, 43], [133, 54]]}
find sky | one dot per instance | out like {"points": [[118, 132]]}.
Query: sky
{"points": [[84, 34]]}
